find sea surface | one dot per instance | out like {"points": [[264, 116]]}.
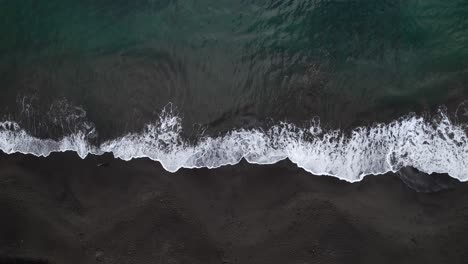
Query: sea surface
{"points": [[345, 88]]}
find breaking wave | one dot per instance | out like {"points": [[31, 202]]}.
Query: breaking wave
{"points": [[438, 145]]}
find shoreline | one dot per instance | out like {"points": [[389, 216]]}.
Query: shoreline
{"points": [[434, 148]]}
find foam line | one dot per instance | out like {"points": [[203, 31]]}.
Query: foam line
{"points": [[431, 146]]}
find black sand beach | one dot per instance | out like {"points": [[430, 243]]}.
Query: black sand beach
{"points": [[63, 209], [345, 88]]}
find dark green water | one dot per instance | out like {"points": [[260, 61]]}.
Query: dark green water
{"points": [[227, 64]]}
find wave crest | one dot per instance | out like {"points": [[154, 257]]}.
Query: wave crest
{"points": [[431, 146]]}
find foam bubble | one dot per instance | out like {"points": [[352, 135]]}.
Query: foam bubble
{"points": [[438, 145]]}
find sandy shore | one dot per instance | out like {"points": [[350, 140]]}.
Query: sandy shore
{"points": [[63, 209]]}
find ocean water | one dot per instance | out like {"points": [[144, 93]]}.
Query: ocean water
{"points": [[341, 88]]}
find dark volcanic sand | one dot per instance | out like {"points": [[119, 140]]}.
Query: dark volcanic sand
{"points": [[63, 209]]}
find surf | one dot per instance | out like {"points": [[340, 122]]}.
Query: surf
{"points": [[435, 145]]}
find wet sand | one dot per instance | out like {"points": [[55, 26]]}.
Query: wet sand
{"points": [[62, 209]]}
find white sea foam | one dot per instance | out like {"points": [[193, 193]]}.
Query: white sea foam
{"points": [[437, 145]]}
